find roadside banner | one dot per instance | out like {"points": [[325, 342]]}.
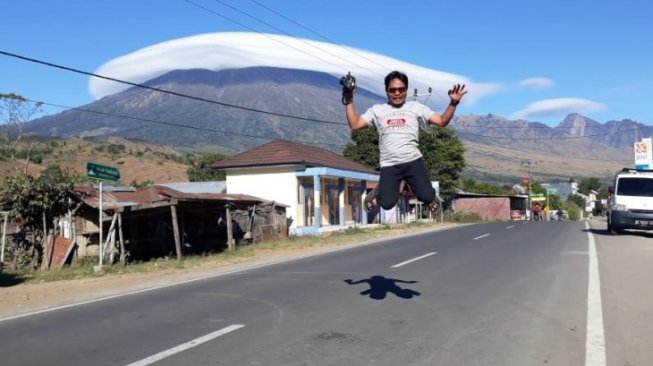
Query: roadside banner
{"points": [[643, 154]]}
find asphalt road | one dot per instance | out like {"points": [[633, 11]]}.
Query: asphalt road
{"points": [[487, 294]]}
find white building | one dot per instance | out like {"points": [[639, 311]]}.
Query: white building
{"points": [[321, 188]]}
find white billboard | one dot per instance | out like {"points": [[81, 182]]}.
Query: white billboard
{"points": [[643, 154]]}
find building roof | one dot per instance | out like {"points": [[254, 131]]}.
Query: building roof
{"points": [[116, 201], [198, 187], [283, 152]]}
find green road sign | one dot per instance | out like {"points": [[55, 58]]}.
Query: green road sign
{"points": [[104, 172], [535, 195], [552, 190]]}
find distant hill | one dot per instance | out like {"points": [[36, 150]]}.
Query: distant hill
{"points": [[316, 96], [139, 163]]}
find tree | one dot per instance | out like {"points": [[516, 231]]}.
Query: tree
{"points": [[200, 170], [443, 154], [589, 184], [365, 148], [15, 112], [36, 203], [470, 185], [577, 199], [444, 157]]}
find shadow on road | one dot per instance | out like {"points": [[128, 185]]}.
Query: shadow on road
{"points": [[380, 286], [604, 232]]}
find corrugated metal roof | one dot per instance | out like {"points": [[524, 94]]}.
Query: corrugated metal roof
{"points": [[154, 194], [198, 187], [282, 152]]}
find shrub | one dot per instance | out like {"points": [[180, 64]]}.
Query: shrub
{"points": [[466, 217]]}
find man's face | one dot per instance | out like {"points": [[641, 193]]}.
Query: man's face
{"points": [[396, 92]]}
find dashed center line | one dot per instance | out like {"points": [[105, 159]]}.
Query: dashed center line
{"points": [[185, 346], [413, 260], [481, 237], [510, 227]]}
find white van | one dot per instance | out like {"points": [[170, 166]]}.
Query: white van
{"points": [[630, 205]]}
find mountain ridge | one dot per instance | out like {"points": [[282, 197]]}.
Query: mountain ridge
{"points": [[313, 97]]}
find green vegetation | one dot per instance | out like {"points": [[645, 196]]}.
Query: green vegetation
{"points": [[200, 169], [466, 217], [36, 202], [473, 186]]}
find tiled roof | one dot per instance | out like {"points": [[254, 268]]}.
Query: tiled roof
{"points": [[283, 152]]}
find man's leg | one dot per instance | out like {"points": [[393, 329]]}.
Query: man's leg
{"points": [[420, 183], [388, 188]]}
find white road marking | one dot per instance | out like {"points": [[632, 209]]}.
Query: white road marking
{"points": [[413, 260], [481, 237], [185, 346], [595, 342], [510, 227]]}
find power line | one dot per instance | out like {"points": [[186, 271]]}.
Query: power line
{"points": [[78, 71], [263, 34], [323, 37], [290, 35], [174, 124], [166, 91], [551, 138]]}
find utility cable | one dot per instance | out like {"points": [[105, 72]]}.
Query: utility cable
{"points": [[174, 124], [166, 91]]}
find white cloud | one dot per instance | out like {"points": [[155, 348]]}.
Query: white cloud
{"points": [[536, 82], [217, 51], [556, 107]]}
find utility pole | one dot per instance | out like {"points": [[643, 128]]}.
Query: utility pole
{"points": [[528, 170], [416, 94]]}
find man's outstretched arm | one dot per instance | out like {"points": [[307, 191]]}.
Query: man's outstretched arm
{"points": [[455, 94], [354, 120]]}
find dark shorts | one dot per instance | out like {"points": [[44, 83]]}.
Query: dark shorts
{"points": [[414, 173]]}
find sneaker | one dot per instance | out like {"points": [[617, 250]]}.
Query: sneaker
{"points": [[435, 206], [369, 204]]}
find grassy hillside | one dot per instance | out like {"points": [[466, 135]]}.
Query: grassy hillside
{"points": [[138, 162], [141, 162]]}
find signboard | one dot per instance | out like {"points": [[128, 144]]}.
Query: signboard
{"points": [[552, 190], [535, 197], [643, 154], [103, 172]]}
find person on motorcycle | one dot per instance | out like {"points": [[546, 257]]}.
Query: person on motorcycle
{"points": [[537, 212]]}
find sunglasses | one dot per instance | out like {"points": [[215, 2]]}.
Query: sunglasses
{"points": [[396, 90]]}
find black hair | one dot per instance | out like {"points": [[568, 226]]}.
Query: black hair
{"points": [[395, 75]]}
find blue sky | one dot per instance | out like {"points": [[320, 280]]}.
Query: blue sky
{"points": [[521, 59]]}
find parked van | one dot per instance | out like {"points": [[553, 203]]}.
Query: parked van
{"points": [[630, 205]]}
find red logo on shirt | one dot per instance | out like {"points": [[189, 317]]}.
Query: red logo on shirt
{"points": [[396, 122]]}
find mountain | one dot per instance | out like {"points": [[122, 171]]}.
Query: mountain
{"points": [[209, 126], [222, 113]]}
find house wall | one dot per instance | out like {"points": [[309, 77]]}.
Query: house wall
{"points": [[274, 184], [489, 208]]}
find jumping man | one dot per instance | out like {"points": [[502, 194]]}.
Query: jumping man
{"points": [[398, 125]]}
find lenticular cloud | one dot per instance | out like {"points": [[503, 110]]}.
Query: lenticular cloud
{"points": [[217, 51]]}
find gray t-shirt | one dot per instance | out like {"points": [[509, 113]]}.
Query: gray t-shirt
{"points": [[398, 130]]}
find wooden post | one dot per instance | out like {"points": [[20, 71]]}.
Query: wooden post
{"points": [[230, 235], [110, 237], [123, 256], [4, 238], [175, 230], [44, 261]]}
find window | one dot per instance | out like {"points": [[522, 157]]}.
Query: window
{"points": [[642, 187]]}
